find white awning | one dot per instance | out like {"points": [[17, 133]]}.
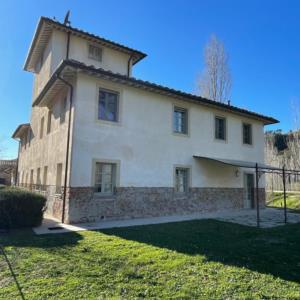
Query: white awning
{"points": [[239, 163]]}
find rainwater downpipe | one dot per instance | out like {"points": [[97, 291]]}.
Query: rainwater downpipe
{"points": [[68, 147]]}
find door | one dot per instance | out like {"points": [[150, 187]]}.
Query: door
{"points": [[249, 190]]}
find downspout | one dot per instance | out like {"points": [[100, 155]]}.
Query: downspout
{"points": [[128, 64], [68, 147], [68, 44]]}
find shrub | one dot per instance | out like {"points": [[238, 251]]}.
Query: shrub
{"points": [[19, 208]]}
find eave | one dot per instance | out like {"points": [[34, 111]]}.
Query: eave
{"points": [[43, 32], [21, 129], [73, 67]]}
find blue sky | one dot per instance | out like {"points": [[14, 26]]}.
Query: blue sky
{"points": [[261, 37]]}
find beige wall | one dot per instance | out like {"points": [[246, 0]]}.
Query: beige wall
{"points": [[145, 145], [45, 71], [51, 149], [48, 150], [56, 50], [112, 60]]}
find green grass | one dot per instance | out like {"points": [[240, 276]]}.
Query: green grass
{"points": [[292, 200], [190, 260]]}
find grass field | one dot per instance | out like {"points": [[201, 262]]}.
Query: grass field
{"points": [[292, 201], [190, 260]]}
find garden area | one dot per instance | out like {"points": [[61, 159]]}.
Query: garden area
{"points": [[204, 259], [292, 201]]}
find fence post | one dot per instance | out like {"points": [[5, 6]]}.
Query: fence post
{"points": [[284, 194], [257, 197]]}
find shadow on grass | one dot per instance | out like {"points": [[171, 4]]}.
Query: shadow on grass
{"points": [[273, 251], [26, 238]]}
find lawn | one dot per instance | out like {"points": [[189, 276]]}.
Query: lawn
{"points": [[190, 260], [292, 200]]}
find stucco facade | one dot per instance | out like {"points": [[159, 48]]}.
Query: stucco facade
{"points": [[140, 145]]}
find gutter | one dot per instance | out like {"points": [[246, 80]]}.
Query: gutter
{"points": [[68, 146]]}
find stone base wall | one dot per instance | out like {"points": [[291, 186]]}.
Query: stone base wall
{"points": [[132, 202]]}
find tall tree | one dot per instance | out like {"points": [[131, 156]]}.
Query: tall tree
{"points": [[215, 81]]}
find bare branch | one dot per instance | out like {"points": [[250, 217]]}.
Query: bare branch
{"points": [[215, 81]]}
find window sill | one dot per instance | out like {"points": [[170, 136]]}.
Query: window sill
{"points": [[181, 134], [104, 196], [248, 145], [106, 122], [220, 141]]}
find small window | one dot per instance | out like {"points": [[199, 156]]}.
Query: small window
{"points": [[58, 178], [181, 180], [95, 52], [63, 110], [180, 120], [108, 106], [220, 128], [247, 134], [49, 121], [42, 127], [45, 177], [38, 176], [105, 178], [31, 177]]}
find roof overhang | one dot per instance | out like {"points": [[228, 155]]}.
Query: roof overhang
{"points": [[43, 32], [239, 163], [55, 84], [20, 131], [69, 68]]}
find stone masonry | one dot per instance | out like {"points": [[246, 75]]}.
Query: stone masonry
{"points": [[133, 202]]}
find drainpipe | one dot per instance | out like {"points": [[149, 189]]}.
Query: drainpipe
{"points": [[128, 63], [68, 44], [68, 146]]}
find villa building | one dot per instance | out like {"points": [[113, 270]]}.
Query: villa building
{"points": [[102, 144]]}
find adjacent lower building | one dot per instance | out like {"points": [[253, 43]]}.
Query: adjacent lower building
{"points": [[102, 144]]}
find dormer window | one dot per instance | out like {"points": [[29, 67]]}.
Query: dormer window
{"points": [[95, 52]]}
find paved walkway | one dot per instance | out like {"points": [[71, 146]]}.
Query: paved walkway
{"points": [[270, 217]]}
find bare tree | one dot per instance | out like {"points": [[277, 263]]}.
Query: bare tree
{"points": [[215, 81]]}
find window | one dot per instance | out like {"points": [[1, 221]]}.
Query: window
{"points": [[108, 106], [180, 120], [49, 121], [38, 176], [58, 178], [42, 127], [247, 134], [181, 180], [63, 110], [31, 178], [220, 128], [105, 178], [45, 177], [95, 52]]}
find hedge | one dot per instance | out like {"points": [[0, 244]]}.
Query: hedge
{"points": [[20, 208]]}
